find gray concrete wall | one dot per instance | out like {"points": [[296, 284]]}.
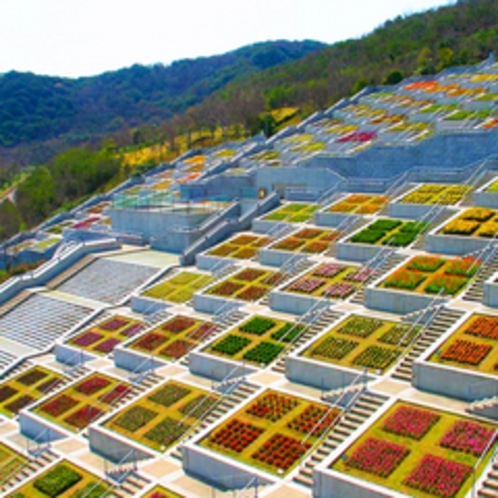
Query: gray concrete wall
{"points": [[395, 301], [217, 368]]}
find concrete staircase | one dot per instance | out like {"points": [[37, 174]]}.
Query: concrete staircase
{"points": [[487, 407], [476, 290], [227, 403], [130, 487], [444, 319], [12, 303], [328, 317], [28, 469], [362, 409], [489, 487]]}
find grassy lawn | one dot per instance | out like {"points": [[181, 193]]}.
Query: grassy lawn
{"points": [[165, 415], [473, 346], [27, 387], [362, 342], [434, 193], [429, 443]]}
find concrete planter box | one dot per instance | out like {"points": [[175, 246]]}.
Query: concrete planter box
{"points": [[220, 470], [265, 226], [274, 257], [148, 305], [296, 304], [115, 447], [455, 245], [72, 356], [327, 219], [136, 361], [38, 429], [216, 367], [320, 375], [485, 199], [453, 382], [491, 292], [395, 301], [208, 262], [206, 303], [408, 210], [356, 252]]}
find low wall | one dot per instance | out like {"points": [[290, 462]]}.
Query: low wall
{"points": [[327, 219], [37, 429], [147, 305], [485, 199], [490, 297], [274, 257], [454, 244], [408, 210], [72, 356], [356, 252], [213, 304], [394, 301], [134, 361], [217, 368], [295, 304]]}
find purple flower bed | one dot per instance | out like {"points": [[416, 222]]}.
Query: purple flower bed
{"points": [[132, 330], [114, 324], [108, 346], [438, 476], [87, 338], [307, 285], [339, 290], [410, 422], [468, 437], [329, 270]]}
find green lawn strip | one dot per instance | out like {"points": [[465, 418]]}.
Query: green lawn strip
{"points": [[345, 349], [25, 388], [254, 347], [269, 427], [187, 339], [82, 401], [162, 417], [488, 365], [180, 288], [62, 480], [429, 444]]}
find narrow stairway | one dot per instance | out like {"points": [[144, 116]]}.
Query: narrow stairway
{"points": [[476, 290]]}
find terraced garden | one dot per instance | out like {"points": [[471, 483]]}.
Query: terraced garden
{"points": [[273, 432], [307, 240], [419, 451], [159, 419]]}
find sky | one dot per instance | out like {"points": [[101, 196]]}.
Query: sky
{"points": [[75, 38]]}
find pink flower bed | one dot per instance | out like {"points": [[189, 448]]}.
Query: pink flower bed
{"points": [[410, 422], [92, 385], [468, 437], [87, 339], [339, 290], [358, 137], [438, 476], [360, 276], [107, 346], [377, 457], [330, 270], [132, 330], [114, 324], [307, 285]]}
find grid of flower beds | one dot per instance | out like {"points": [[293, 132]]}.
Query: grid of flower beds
{"points": [[474, 346], [79, 405], [241, 247], [419, 452], [10, 462], [436, 194], [63, 480], [164, 416], [384, 231], [473, 222], [332, 280], [292, 213], [250, 284], [359, 204], [432, 274], [175, 338], [180, 288], [26, 388], [307, 240], [259, 340], [363, 342], [160, 492], [273, 432], [104, 337]]}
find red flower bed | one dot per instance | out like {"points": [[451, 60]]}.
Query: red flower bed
{"points": [[410, 422], [236, 436], [308, 420], [272, 406], [307, 285], [108, 346], [308, 233], [59, 405], [83, 417], [252, 293], [249, 274], [464, 267], [405, 279], [484, 327], [274, 279], [329, 270], [281, 451], [132, 330], [177, 349], [178, 324], [339, 290], [468, 437], [92, 385], [87, 338], [31, 377], [466, 352], [226, 289], [114, 324], [150, 341], [203, 331], [6, 392], [120, 391], [19, 403], [438, 476], [425, 263], [289, 244], [377, 457]]}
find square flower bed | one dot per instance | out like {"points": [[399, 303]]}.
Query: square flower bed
{"points": [[473, 222], [433, 275], [271, 432], [414, 449], [359, 204], [292, 213], [307, 240], [259, 340], [385, 231], [159, 419], [240, 247], [105, 336], [437, 194], [363, 342]]}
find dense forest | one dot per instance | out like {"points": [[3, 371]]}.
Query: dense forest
{"points": [[77, 128]]}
